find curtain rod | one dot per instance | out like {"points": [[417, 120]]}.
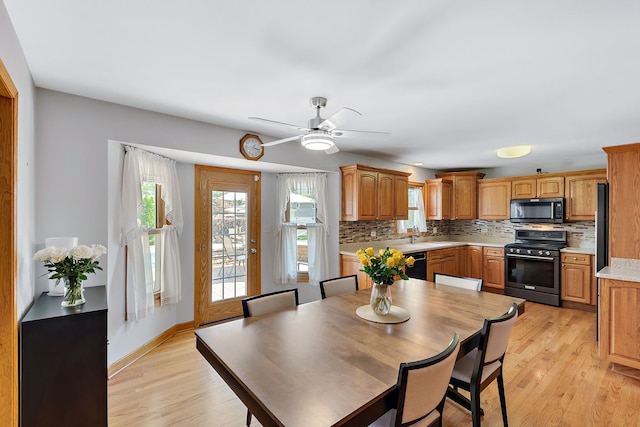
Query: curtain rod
{"points": [[131, 147]]}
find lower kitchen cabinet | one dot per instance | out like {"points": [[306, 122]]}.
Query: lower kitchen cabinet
{"points": [[576, 284], [350, 265], [63, 362], [493, 269], [474, 262], [441, 261], [619, 310]]}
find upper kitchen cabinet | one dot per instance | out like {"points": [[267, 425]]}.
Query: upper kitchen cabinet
{"points": [[531, 188], [623, 174], [494, 195], [439, 198], [464, 198], [580, 194], [374, 194]]}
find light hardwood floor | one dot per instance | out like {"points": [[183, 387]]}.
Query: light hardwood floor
{"points": [[553, 377]]}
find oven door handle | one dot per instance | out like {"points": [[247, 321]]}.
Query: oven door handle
{"points": [[531, 257]]}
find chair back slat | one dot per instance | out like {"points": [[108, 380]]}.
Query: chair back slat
{"points": [[458, 281], [266, 303], [338, 286]]}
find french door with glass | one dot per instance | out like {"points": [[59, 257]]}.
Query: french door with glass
{"points": [[227, 235]]}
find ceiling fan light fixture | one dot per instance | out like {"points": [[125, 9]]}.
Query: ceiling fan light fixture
{"points": [[317, 142], [513, 151]]}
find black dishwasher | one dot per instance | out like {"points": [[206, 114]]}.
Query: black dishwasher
{"points": [[419, 269]]}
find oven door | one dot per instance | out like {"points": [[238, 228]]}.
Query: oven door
{"points": [[533, 273]]}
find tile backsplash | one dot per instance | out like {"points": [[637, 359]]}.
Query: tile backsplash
{"points": [[579, 234]]}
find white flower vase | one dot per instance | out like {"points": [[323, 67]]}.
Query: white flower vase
{"points": [[380, 298], [73, 293]]}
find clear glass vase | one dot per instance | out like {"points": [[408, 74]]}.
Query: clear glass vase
{"points": [[380, 298], [73, 293]]}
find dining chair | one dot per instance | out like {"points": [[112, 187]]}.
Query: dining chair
{"points": [[421, 389], [477, 369], [338, 286], [267, 303], [458, 281], [232, 252]]}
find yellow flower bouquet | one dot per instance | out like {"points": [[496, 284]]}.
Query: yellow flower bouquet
{"points": [[383, 270]]}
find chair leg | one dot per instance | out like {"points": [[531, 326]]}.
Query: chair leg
{"points": [[476, 412], [248, 418], [503, 401]]}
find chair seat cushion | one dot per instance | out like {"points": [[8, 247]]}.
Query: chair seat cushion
{"points": [[464, 367]]}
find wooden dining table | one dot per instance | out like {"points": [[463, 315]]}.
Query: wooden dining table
{"points": [[320, 364]]}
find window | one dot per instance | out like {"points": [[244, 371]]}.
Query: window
{"points": [[152, 217], [301, 211], [301, 231], [417, 219]]}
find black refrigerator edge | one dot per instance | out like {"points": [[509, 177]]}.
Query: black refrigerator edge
{"points": [[602, 239]]}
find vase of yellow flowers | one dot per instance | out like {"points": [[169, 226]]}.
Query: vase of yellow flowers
{"points": [[71, 266], [383, 269]]}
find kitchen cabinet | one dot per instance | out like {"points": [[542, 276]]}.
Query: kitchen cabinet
{"points": [[464, 200], [474, 262], [623, 175], [619, 314], [438, 198], [580, 196], [441, 261], [576, 284], [530, 188], [350, 265], [494, 197], [374, 194], [461, 260], [493, 268], [63, 362]]}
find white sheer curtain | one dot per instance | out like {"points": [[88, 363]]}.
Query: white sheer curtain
{"points": [[143, 166], [285, 268], [420, 217]]}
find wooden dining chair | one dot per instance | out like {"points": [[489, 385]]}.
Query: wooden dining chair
{"points": [[478, 368], [338, 286], [421, 390], [458, 281], [267, 303]]}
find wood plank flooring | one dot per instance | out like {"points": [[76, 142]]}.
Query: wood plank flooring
{"points": [[553, 377]]}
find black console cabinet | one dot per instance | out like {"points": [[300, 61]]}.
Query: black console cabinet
{"points": [[63, 362]]}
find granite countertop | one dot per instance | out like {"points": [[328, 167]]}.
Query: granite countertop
{"points": [[578, 250], [621, 269], [351, 248]]}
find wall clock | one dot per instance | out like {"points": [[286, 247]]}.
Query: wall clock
{"points": [[251, 147]]}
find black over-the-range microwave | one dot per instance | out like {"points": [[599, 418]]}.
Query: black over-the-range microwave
{"points": [[546, 210]]}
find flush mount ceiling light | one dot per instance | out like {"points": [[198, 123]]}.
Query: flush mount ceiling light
{"points": [[317, 141], [513, 151]]}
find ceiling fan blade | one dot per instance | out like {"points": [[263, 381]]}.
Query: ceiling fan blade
{"points": [[332, 150], [280, 141], [352, 133], [338, 119], [300, 128]]}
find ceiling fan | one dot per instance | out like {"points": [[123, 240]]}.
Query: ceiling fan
{"points": [[320, 133]]}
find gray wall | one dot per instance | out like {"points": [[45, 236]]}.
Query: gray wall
{"points": [[78, 183], [13, 58]]}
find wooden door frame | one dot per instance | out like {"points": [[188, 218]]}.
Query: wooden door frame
{"points": [[9, 400], [199, 237]]}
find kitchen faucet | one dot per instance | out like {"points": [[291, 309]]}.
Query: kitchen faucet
{"points": [[414, 230]]}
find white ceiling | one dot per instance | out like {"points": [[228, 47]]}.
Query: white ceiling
{"points": [[452, 81]]}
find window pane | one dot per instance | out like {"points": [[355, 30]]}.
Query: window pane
{"points": [[149, 205], [302, 251], [228, 250], [302, 208], [413, 197]]}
